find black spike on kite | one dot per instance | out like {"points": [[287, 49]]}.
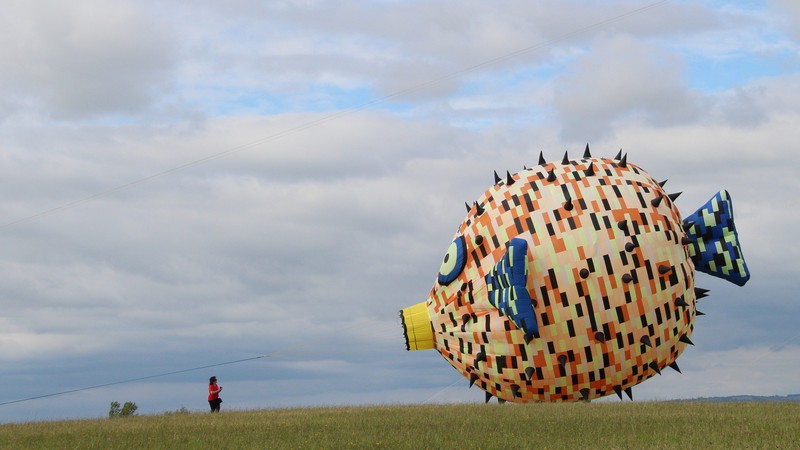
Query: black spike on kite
{"points": [[585, 394], [586, 152], [674, 196], [568, 202], [700, 293], [656, 201], [467, 205], [653, 365], [674, 366], [627, 278], [509, 179], [541, 159], [619, 155], [488, 397], [600, 336], [478, 241], [662, 183], [497, 179], [472, 379], [624, 161], [681, 302], [529, 371], [664, 269], [551, 176], [629, 393], [699, 313], [688, 225], [590, 171], [515, 390], [478, 209], [685, 339], [565, 161], [618, 391], [646, 340], [687, 240], [480, 356]]}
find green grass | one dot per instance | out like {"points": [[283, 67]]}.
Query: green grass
{"points": [[628, 425]]}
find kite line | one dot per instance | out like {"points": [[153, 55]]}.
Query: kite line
{"points": [[158, 375], [132, 380], [335, 115]]}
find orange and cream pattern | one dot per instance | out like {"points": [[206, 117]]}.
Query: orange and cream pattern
{"points": [[608, 273]]}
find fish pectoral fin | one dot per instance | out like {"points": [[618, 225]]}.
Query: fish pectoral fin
{"points": [[506, 284], [713, 242]]}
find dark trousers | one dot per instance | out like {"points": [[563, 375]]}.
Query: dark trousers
{"points": [[214, 404]]}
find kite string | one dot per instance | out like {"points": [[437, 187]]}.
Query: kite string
{"points": [[174, 372], [766, 352], [439, 392], [147, 377], [335, 115]]}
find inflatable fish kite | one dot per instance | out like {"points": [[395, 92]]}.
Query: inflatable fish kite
{"points": [[572, 281]]}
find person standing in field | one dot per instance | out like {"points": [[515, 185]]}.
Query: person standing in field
{"points": [[213, 394]]}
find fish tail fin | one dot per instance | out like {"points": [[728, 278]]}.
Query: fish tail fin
{"points": [[716, 249]]}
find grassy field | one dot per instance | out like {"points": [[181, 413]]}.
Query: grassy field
{"points": [[627, 425]]}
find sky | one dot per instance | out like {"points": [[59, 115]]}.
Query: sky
{"points": [[253, 190]]}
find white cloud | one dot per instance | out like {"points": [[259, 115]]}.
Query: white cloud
{"points": [[789, 12], [621, 77], [83, 59]]}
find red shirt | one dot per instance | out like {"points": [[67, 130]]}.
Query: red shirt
{"points": [[213, 392]]}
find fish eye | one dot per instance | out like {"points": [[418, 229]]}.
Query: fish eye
{"points": [[454, 261]]}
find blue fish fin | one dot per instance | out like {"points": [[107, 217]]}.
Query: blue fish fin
{"points": [[506, 283], [716, 249]]}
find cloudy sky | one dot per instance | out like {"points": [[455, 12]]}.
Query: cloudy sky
{"points": [[187, 184]]}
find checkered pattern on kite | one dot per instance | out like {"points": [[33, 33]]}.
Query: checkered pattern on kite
{"points": [[716, 249]]}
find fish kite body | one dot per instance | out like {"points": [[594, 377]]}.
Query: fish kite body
{"points": [[573, 280]]}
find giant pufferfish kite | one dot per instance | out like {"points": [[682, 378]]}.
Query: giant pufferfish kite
{"points": [[572, 281]]}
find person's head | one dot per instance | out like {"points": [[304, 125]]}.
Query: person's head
{"points": [[212, 380]]}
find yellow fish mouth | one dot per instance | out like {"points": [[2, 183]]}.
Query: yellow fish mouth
{"points": [[417, 327]]}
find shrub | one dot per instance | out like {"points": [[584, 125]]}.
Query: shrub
{"points": [[182, 410], [127, 410]]}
